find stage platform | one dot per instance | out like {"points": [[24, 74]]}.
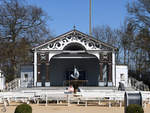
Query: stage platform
{"points": [[82, 88]]}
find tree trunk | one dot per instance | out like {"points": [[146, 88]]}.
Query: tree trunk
{"points": [[125, 55], [128, 59]]}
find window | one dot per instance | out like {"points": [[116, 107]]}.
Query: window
{"points": [[122, 78], [26, 77]]}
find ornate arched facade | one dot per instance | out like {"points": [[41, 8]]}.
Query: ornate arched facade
{"points": [[78, 47]]}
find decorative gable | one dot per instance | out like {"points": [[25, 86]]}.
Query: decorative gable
{"points": [[74, 36]]}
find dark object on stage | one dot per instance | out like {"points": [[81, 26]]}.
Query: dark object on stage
{"points": [[121, 87], [132, 98], [76, 81]]}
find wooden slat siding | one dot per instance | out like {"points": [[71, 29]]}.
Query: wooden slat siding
{"points": [[110, 72], [101, 71]]}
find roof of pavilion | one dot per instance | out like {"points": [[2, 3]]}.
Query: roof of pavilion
{"points": [[75, 36]]}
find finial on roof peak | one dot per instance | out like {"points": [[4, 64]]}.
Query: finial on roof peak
{"points": [[74, 27]]}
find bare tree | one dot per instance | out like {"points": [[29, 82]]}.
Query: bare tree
{"points": [[108, 35], [139, 15], [21, 27], [127, 40]]}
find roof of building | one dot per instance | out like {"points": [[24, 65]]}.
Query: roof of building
{"points": [[75, 32]]}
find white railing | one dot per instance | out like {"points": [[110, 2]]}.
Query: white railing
{"points": [[13, 85], [84, 96], [26, 83]]}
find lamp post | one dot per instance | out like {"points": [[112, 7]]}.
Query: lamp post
{"points": [[90, 32]]}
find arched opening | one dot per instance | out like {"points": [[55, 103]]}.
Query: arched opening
{"points": [[62, 66], [74, 47]]}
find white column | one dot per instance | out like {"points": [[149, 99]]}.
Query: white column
{"points": [[35, 68], [113, 69]]}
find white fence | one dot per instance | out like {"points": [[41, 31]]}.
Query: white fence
{"points": [[84, 96]]}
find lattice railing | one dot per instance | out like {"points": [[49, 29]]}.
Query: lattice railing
{"points": [[14, 84]]}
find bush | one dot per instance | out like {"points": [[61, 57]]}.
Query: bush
{"points": [[134, 108], [23, 108]]}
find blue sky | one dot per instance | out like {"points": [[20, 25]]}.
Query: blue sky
{"points": [[67, 13]]}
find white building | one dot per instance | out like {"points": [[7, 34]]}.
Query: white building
{"points": [[54, 61], [122, 75], [2, 81], [26, 73]]}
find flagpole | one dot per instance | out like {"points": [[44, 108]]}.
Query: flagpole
{"points": [[90, 32]]}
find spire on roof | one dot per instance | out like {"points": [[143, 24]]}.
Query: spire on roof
{"points": [[74, 27]]}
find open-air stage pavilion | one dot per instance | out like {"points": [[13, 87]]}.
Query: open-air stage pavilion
{"points": [[54, 62]]}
